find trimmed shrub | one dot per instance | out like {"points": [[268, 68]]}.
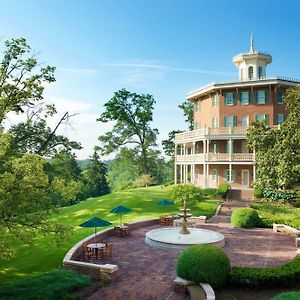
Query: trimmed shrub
{"points": [[258, 192], [223, 189], [281, 196], [280, 276], [287, 296], [209, 192], [187, 192], [204, 263], [245, 217]]}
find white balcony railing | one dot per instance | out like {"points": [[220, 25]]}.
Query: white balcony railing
{"points": [[207, 132], [218, 157]]}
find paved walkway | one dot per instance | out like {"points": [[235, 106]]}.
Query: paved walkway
{"points": [[147, 273]]}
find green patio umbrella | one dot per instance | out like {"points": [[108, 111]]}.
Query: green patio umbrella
{"points": [[120, 209], [165, 202], [95, 222]]}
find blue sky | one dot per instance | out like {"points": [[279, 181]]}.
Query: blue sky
{"points": [[162, 47]]}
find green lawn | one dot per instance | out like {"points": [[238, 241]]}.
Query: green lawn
{"points": [[44, 257], [282, 213]]}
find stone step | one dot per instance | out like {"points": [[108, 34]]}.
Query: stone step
{"points": [[196, 292]]}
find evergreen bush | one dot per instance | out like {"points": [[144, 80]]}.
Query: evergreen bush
{"points": [[204, 263], [281, 196], [245, 217]]}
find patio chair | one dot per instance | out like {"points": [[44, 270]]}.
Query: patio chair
{"points": [[162, 221], [117, 231], [128, 229], [108, 249], [87, 252]]}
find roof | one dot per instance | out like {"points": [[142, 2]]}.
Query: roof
{"points": [[237, 84]]}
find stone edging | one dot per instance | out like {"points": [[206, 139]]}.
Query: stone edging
{"points": [[98, 271]]}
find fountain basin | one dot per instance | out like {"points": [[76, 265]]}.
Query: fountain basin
{"points": [[171, 238]]}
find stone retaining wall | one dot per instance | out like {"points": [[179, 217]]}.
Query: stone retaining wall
{"points": [[98, 271]]}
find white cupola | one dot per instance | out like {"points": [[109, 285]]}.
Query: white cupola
{"points": [[252, 65]]}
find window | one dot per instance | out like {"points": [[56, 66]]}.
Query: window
{"points": [[245, 98], [214, 122], [214, 102], [245, 121], [280, 97], [262, 117], [229, 99], [250, 73], [214, 174], [260, 75], [229, 121], [215, 148], [233, 175], [196, 106], [196, 125], [261, 97], [280, 119]]}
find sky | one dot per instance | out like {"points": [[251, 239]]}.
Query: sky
{"points": [[166, 48]]}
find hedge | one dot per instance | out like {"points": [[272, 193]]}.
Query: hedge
{"points": [[204, 263], [245, 218], [279, 276]]}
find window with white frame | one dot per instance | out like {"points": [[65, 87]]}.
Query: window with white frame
{"points": [[245, 121], [214, 175], [261, 97], [215, 122], [260, 74], [244, 98], [196, 106], [280, 97], [250, 73], [230, 121], [214, 101], [280, 119], [229, 99], [262, 117], [233, 175]]}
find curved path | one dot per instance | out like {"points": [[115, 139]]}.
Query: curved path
{"points": [[147, 273]]}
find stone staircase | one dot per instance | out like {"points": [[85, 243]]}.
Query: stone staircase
{"points": [[236, 198]]}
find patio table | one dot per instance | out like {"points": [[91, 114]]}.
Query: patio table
{"points": [[96, 247]]}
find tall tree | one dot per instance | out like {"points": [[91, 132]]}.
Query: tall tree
{"points": [[188, 112], [95, 176], [169, 145], [132, 114], [278, 149]]}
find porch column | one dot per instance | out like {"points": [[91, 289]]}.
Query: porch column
{"points": [[230, 149], [181, 173], [254, 173], [230, 171], [175, 165], [204, 149], [207, 175], [204, 175]]}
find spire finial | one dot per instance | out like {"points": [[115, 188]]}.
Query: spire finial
{"points": [[251, 44]]}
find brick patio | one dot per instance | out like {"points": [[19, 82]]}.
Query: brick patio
{"points": [[147, 273]]}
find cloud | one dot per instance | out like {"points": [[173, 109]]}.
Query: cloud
{"points": [[79, 71], [155, 66]]}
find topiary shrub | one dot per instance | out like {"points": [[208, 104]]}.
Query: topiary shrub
{"points": [[204, 263], [209, 191], [258, 192], [223, 190], [245, 217]]}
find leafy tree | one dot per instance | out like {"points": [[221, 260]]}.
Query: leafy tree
{"points": [[188, 112], [143, 181], [132, 114], [21, 78], [278, 149], [186, 192], [95, 177], [169, 145]]}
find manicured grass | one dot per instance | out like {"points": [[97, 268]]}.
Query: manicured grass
{"points": [[282, 213], [58, 284], [44, 257]]}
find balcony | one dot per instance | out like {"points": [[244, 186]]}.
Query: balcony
{"points": [[215, 157], [210, 133]]}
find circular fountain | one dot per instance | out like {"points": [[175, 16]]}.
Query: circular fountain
{"points": [[181, 238]]}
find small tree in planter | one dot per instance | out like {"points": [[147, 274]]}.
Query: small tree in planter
{"points": [[188, 193]]}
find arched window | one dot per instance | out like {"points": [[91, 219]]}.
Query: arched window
{"points": [[250, 73], [260, 75]]}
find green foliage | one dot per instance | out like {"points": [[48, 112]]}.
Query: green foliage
{"points": [[143, 181], [132, 114], [186, 192], [210, 192], [279, 276], [245, 217], [204, 263], [281, 196], [169, 145], [188, 112], [58, 284], [258, 192], [278, 149], [287, 296], [223, 189]]}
